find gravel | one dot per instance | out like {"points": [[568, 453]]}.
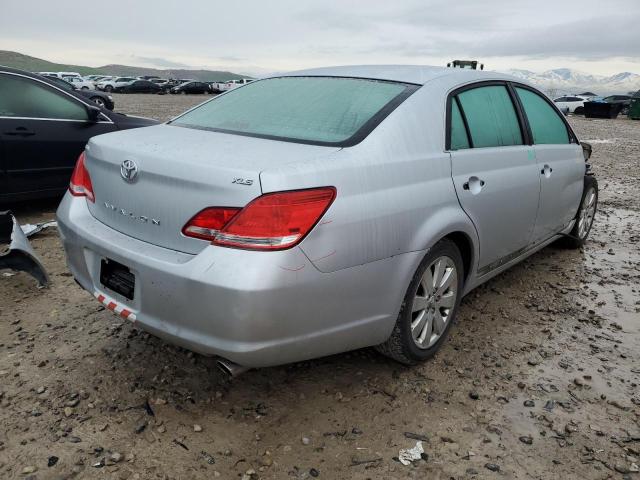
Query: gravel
{"points": [[549, 351]]}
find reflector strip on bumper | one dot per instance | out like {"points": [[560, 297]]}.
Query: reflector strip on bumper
{"points": [[115, 307]]}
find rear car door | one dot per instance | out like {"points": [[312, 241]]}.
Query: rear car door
{"points": [[560, 163], [42, 132], [574, 102], [495, 174]]}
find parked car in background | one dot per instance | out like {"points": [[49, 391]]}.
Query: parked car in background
{"points": [[163, 82], [274, 223], [43, 129], [80, 83], [192, 88], [101, 99], [60, 74], [69, 74], [140, 86], [624, 100], [230, 85], [574, 104], [634, 108], [47, 74], [113, 84]]}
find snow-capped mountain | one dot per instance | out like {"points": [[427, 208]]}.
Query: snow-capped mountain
{"points": [[562, 81]]}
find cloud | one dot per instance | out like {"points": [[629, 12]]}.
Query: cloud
{"points": [[156, 62], [597, 38], [283, 35]]}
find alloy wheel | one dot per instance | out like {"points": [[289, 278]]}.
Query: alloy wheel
{"points": [[587, 212], [434, 302]]}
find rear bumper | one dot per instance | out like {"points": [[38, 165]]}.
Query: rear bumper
{"points": [[254, 308]]}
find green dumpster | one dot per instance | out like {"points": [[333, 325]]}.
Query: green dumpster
{"points": [[634, 108]]}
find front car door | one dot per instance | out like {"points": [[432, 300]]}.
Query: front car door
{"points": [[495, 174], [560, 163], [42, 132]]}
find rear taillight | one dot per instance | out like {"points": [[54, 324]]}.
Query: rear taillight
{"points": [[208, 223], [274, 221], [80, 183]]}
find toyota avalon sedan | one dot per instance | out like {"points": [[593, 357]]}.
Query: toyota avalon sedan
{"points": [[325, 210]]}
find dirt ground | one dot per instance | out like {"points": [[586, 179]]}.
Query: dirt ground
{"points": [[539, 378]]}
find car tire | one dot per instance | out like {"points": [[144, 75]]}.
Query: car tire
{"points": [[579, 111], [408, 342], [99, 101], [624, 111], [108, 88], [585, 215]]}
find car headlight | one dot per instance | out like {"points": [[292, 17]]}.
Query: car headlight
{"points": [[109, 97]]}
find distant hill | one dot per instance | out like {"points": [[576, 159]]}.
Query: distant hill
{"points": [[563, 81], [33, 64]]}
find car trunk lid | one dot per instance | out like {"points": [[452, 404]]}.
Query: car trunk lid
{"points": [[179, 172]]}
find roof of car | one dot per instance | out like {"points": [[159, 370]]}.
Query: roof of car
{"points": [[417, 74], [51, 81]]}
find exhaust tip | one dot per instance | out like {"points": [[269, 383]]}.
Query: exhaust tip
{"points": [[230, 368]]}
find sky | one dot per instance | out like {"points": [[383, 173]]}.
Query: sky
{"points": [[260, 37]]}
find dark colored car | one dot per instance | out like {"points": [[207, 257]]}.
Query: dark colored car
{"points": [[43, 130], [141, 86], [99, 98], [624, 100], [192, 87]]}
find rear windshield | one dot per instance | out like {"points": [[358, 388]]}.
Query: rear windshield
{"points": [[316, 110]]}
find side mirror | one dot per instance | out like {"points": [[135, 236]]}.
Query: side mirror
{"points": [[94, 113]]}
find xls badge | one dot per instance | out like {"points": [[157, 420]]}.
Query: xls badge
{"points": [[242, 181]]}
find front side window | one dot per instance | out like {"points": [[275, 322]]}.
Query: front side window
{"points": [[491, 116], [23, 97], [546, 124], [320, 110]]}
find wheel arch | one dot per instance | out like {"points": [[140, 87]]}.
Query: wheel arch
{"points": [[452, 223], [465, 245]]}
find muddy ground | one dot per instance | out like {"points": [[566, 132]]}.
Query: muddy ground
{"points": [[539, 379]]}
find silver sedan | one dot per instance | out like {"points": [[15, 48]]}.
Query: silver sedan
{"points": [[325, 210]]}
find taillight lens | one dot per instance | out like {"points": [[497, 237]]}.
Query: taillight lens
{"points": [[80, 183], [274, 221], [208, 223]]}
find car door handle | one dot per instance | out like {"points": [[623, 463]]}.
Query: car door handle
{"points": [[474, 185], [546, 171], [20, 132]]}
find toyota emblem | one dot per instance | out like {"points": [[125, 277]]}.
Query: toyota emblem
{"points": [[129, 170]]}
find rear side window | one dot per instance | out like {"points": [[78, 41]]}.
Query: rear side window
{"points": [[318, 110], [546, 125], [23, 97], [491, 117]]}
